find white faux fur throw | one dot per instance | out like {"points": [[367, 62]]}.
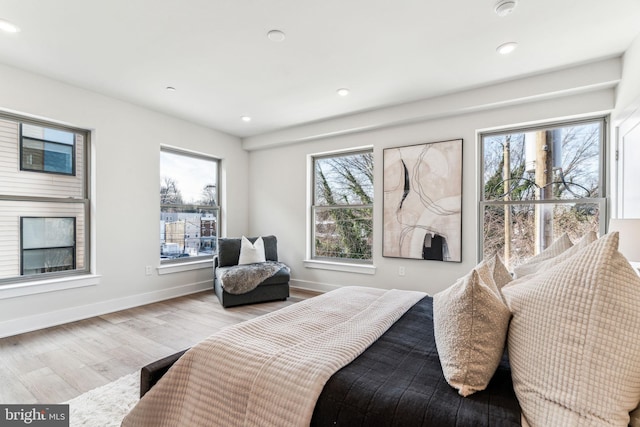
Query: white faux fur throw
{"points": [[269, 371], [240, 279]]}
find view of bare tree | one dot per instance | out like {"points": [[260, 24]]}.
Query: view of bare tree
{"points": [[536, 167], [209, 195], [169, 192], [343, 214]]}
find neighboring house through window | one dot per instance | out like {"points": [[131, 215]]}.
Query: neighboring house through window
{"points": [[342, 207], [44, 200], [539, 183], [189, 205]]}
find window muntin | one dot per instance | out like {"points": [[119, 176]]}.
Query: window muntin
{"points": [[538, 183], [34, 197], [47, 150], [189, 206], [342, 210]]}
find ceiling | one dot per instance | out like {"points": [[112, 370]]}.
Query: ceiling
{"points": [[217, 55]]}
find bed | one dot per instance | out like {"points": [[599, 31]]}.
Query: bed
{"points": [[371, 357], [396, 381]]}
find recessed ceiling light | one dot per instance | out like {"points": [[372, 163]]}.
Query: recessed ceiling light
{"points": [[245, 119], [506, 48], [8, 27], [343, 91], [276, 35], [505, 7], [171, 88]]}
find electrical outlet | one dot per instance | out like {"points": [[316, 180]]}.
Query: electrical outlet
{"points": [[401, 271], [148, 270]]}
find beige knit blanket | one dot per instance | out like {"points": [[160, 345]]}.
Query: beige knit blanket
{"points": [[269, 371]]}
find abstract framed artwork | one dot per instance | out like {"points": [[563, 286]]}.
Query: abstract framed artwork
{"points": [[422, 205]]}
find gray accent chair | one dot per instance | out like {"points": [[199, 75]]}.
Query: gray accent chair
{"points": [[275, 287]]}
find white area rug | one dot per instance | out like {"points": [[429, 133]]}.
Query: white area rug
{"points": [[107, 405]]}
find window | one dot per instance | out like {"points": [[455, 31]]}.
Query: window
{"points": [[539, 183], [47, 150], [48, 244], [44, 200], [342, 208], [189, 206]]}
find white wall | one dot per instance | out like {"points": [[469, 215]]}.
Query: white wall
{"points": [[628, 91], [126, 143], [278, 179], [626, 122]]}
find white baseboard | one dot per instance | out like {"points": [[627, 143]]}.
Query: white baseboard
{"points": [[312, 286], [72, 314]]}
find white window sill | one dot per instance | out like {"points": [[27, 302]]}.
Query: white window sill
{"points": [[51, 285], [341, 266], [184, 266]]}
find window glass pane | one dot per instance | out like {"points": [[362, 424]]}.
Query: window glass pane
{"points": [[519, 231], [187, 232], [38, 261], [47, 134], [343, 233], [48, 232], [344, 180], [549, 163], [58, 158], [187, 180], [47, 156]]}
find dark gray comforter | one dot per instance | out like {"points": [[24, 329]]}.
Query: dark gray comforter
{"points": [[398, 381]]}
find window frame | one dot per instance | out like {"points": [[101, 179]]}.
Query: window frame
{"points": [[601, 201], [216, 207], [313, 208], [84, 201]]}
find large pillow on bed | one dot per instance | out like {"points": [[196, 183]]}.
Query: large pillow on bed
{"points": [[573, 357], [554, 254], [470, 321]]}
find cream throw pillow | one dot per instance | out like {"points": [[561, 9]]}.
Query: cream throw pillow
{"points": [[571, 343], [251, 253], [470, 321], [554, 254]]}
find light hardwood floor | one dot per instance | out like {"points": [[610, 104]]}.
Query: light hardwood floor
{"points": [[56, 364]]}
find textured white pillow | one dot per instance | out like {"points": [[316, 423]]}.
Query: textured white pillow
{"points": [[554, 254], [251, 253], [571, 343], [470, 321]]}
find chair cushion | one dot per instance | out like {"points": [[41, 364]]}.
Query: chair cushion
{"points": [[282, 276]]}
